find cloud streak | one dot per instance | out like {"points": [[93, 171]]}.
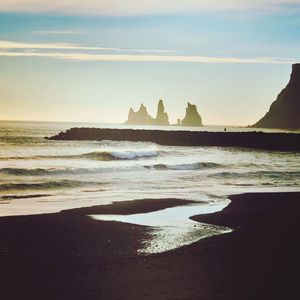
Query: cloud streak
{"points": [[136, 7], [65, 51], [148, 58], [4, 45], [57, 32]]}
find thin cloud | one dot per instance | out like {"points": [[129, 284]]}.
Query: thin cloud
{"points": [[55, 46], [57, 32], [136, 7], [149, 58], [66, 46]]}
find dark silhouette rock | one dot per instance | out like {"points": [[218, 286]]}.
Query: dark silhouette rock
{"points": [[284, 112], [162, 117], [257, 140], [141, 117], [192, 117]]}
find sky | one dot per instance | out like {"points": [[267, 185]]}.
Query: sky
{"points": [[90, 61]]}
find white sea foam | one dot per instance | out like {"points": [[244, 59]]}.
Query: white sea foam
{"points": [[131, 154]]}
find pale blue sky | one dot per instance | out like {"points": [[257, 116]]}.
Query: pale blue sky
{"points": [[71, 64]]}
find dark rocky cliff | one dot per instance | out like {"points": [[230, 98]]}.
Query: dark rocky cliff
{"points": [[192, 117], [285, 110]]}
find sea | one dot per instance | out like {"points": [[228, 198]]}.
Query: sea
{"points": [[40, 176]]}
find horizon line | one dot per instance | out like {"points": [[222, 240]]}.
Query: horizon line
{"points": [[112, 123]]}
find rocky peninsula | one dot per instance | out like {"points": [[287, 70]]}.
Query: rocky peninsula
{"points": [[285, 110], [255, 140]]}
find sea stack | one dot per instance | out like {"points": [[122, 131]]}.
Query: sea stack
{"points": [[140, 117], [192, 117], [284, 112], [162, 117]]}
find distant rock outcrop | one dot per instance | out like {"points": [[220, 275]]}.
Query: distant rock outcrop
{"points": [[141, 117], [284, 112], [192, 117], [162, 117]]}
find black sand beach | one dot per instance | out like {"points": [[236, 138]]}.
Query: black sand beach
{"points": [[70, 256]]}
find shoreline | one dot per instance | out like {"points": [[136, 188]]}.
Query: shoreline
{"points": [[70, 256], [254, 140]]}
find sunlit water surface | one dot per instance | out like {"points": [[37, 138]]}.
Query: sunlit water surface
{"points": [[42, 176]]}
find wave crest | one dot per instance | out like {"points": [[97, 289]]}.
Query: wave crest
{"points": [[258, 174], [192, 166], [26, 172], [13, 197], [41, 185], [96, 155]]}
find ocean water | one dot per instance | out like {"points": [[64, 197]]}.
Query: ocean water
{"points": [[42, 176]]}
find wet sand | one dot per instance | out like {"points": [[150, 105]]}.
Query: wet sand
{"points": [[70, 256]]}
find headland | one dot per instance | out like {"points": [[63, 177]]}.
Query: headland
{"points": [[255, 140]]}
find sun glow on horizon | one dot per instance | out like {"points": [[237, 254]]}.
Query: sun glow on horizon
{"points": [[66, 65]]}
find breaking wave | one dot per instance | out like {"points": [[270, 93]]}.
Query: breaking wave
{"points": [[257, 175], [42, 185], [192, 166], [120, 155], [28, 172], [272, 177], [12, 197], [63, 171], [96, 155]]}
